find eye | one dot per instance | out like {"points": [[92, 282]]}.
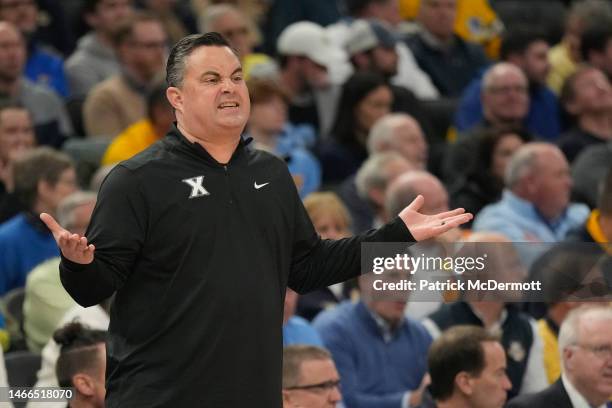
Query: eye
{"points": [[237, 78]]}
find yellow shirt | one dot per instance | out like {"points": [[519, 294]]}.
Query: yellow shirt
{"points": [[552, 361], [131, 141], [476, 21]]}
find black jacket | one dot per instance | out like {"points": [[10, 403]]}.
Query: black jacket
{"points": [[200, 267], [554, 396]]}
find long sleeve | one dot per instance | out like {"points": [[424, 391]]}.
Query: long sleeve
{"points": [[117, 229]]}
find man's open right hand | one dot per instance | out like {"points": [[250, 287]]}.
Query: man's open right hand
{"points": [[73, 246]]}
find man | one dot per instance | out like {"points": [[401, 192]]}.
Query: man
{"points": [[505, 104], [120, 101], [596, 47], [46, 301], [306, 59], [165, 236], [81, 364], [297, 330], [450, 61], [587, 97], [145, 132], [584, 343], [44, 66], [535, 204], [362, 335], [49, 115], [310, 379], [467, 366], [527, 50], [43, 177], [95, 60]]}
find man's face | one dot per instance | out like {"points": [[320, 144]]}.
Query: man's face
{"points": [[22, 13], [384, 60], [592, 94], [536, 63], [213, 97], [146, 52], [589, 363], [506, 99], [109, 15], [269, 116], [551, 183], [489, 389], [606, 63], [438, 17], [66, 184], [323, 376], [12, 53], [234, 28], [314, 75], [410, 143], [16, 134]]}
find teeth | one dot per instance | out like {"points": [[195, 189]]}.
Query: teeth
{"points": [[228, 105]]}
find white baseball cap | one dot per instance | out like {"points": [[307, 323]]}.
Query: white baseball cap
{"points": [[310, 40]]}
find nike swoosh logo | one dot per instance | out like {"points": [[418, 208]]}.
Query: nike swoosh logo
{"points": [[258, 186]]}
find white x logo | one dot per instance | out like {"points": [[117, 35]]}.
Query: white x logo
{"points": [[196, 187]]}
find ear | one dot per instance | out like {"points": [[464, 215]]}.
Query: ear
{"points": [[567, 355], [377, 196], [84, 384], [43, 189], [175, 97], [463, 381]]}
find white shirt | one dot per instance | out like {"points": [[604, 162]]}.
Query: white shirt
{"points": [[578, 401]]}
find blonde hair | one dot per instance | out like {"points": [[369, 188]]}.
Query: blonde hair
{"points": [[327, 203]]}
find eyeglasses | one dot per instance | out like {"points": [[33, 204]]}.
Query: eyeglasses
{"points": [[603, 352], [507, 89], [320, 387]]}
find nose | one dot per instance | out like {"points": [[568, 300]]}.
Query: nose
{"points": [[335, 395], [506, 383]]}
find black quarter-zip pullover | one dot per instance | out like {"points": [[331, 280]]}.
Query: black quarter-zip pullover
{"points": [[199, 255]]}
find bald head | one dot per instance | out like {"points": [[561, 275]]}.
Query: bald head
{"points": [[401, 133], [505, 98], [12, 53], [404, 189]]}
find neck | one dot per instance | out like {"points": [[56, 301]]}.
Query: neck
{"points": [[599, 124], [104, 38], [593, 400], [137, 77], [40, 207], [292, 83], [220, 148], [502, 122], [453, 402], [160, 131], [490, 312], [9, 87], [267, 140]]}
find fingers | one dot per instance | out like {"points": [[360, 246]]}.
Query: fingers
{"points": [[416, 204], [451, 213], [452, 222], [50, 222]]}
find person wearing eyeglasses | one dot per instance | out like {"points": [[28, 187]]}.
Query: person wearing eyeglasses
{"points": [[310, 378], [585, 345]]}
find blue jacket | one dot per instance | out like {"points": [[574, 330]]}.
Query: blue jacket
{"points": [[47, 69], [374, 372]]}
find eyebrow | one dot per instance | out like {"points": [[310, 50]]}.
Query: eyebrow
{"points": [[216, 74]]}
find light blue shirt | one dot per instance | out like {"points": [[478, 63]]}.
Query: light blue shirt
{"points": [[298, 331]]}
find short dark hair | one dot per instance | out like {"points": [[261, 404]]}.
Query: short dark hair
{"points": [[604, 200], [78, 351], [125, 32], [594, 38], [157, 97], [175, 68], [517, 41], [41, 163], [294, 356], [457, 349]]}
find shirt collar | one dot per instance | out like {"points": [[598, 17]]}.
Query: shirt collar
{"points": [[386, 331], [496, 327], [527, 208], [578, 401]]}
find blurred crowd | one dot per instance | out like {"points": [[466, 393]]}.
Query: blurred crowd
{"points": [[502, 107]]}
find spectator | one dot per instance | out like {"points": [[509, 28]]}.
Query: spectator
{"points": [[95, 60], [306, 58], [331, 220], [587, 96], [271, 132], [366, 97], [528, 50], [43, 177], [482, 184], [467, 366], [46, 300], [584, 343], [120, 100], [297, 330], [565, 56], [16, 138], [588, 169], [519, 334], [145, 132], [373, 45], [450, 61], [505, 103], [49, 115], [82, 364], [596, 47], [242, 34], [535, 203], [43, 66], [176, 16], [373, 178], [310, 379]]}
